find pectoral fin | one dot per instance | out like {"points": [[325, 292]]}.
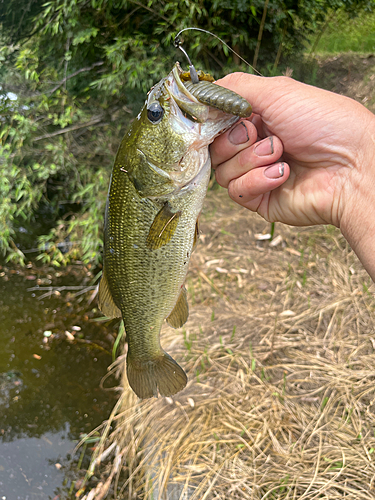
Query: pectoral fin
{"points": [[163, 228], [105, 300], [180, 313]]}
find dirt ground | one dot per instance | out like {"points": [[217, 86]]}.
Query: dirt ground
{"points": [[349, 74], [279, 349]]}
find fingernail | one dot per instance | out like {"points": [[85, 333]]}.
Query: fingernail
{"points": [[239, 134], [265, 147], [275, 172]]}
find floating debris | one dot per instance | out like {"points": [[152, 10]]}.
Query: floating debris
{"points": [[69, 336]]}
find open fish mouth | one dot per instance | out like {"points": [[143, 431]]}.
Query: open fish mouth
{"points": [[198, 112], [205, 92], [201, 119]]}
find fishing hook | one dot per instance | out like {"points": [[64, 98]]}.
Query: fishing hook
{"points": [[193, 72]]}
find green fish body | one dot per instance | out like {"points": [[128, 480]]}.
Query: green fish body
{"points": [[157, 188]]}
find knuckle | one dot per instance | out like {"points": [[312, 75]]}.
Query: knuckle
{"points": [[234, 80], [284, 81]]}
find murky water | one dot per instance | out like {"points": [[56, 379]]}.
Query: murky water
{"points": [[49, 392]]}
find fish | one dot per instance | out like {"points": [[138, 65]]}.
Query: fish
{"points": [[157, 187]]}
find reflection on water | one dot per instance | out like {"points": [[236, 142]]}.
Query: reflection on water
{"points": [[49, 393], [27, 465]]}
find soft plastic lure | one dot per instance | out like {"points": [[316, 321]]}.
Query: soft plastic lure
{"points": [[201, 86], [220, 98]]}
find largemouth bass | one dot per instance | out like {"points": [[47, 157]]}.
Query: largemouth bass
{"points": [[157, 188]]}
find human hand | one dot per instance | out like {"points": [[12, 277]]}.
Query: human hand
{"points": [[325, 143]]}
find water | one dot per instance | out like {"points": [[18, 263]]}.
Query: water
{"points": [[49, 393]]}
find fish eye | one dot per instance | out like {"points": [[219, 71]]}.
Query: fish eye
{"points": [[155, 112]]}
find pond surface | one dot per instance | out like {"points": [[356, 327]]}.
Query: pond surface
{"points": [[49, 387]]}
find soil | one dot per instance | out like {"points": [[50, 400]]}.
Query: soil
{"points": [[279, 349], [349, 74]]}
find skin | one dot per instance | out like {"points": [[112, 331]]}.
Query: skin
{"points": [[306, 156]]}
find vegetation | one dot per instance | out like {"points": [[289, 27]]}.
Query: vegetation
{"points": [[74, 73], [345, 33], [280, 351], [279, 347]]}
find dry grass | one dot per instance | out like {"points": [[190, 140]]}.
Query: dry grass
{"points": [[279, 350]]}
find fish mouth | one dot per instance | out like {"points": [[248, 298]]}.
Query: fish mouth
{"points": [[211, 120], [198, 123], [188, 104], [196, 98], [205, 123]]}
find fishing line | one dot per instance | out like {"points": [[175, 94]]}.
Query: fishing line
{"points": [[177, 43]]}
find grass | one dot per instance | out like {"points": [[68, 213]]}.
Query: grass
{"points": [[280, 355], [279, 349], [349, 74], [344, 59], [347, 33]]}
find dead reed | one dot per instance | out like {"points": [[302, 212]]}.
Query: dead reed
{"points": [[279, 350]]}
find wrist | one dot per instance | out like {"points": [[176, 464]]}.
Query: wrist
{"points": [[357, 221]]}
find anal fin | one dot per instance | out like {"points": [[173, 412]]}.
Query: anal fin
{"points": [[105, 300], [163, 228], [180, 313]]}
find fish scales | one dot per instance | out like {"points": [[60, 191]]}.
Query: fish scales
{"points": [[158, 184], [143, 284]]}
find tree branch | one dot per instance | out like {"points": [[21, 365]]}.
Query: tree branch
{"points": [[89, 68], [260, 34], [69, 129], [153, 11]]}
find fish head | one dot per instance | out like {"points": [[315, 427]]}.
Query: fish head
{"points": [[170, 137]]}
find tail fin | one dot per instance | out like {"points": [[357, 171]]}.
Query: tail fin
{"points": [[161, 373]]}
